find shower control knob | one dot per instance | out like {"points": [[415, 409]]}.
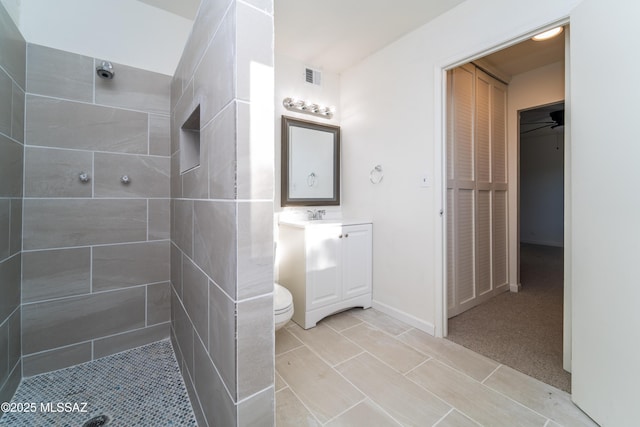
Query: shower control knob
{"points": [[84, 177], [125, 179]]}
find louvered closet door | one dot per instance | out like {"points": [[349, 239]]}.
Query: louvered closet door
{"points": [[461, 191], [499, 185], [476, 189], [483, 187]]}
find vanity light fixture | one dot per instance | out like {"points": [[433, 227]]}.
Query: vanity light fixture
{"points": [[308, 107], [548, 34]]}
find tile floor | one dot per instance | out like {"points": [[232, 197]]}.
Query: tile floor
{"points": [[139, 387], [364, 368]]}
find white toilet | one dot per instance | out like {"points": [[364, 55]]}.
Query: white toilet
{"points": [[282, 305]]}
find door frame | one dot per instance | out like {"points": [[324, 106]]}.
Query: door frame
{"points": [[440, 226]]}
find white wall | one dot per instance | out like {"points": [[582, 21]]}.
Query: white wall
{"points": [[290, 82], [391, 115], [542, 189], [542, 86], [13, 9], [605, 228], [122, 31], [387, 116]]}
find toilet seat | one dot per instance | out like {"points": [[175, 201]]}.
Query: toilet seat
{"points": [[282, 305], [282, 310], [282, 299]]}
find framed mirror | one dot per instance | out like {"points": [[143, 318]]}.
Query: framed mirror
{"points": [[310, 163]]}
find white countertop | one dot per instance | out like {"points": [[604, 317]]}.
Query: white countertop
{"points": [[321, 222]]}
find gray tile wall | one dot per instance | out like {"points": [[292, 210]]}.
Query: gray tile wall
{"points": [[12, 94], [96, 259], [222, 215]]}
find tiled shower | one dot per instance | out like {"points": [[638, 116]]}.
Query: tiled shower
{"points": [[95, 261], [109, 242], [12, 89]]}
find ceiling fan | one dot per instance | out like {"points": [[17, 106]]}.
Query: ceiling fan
{"points": [[557, 119]]}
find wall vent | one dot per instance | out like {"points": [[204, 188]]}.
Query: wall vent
{"points": [[313, 76]]}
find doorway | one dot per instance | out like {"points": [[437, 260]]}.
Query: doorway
{"points": [[542, 175], [534, 83]]}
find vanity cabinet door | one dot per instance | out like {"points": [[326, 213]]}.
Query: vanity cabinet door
{"points": [[324, 266], [356, 260]]}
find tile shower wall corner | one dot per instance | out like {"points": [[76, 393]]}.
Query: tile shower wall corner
{"points": [[12, 93], [221, 231], [96, 261]]}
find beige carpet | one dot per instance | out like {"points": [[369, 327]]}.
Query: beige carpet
{"points": [[522, 330]]}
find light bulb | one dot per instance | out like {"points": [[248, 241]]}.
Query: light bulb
{"points": [[548, 34]]}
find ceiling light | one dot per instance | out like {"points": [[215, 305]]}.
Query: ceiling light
{"points": [[548, 34]]}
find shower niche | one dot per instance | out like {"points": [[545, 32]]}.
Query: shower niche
{"points": [[190, 142]]}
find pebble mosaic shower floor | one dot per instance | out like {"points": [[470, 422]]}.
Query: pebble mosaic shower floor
{"points": [[139, 387]]}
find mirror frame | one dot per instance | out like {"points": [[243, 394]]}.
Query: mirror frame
{"points": [[288, 122]]}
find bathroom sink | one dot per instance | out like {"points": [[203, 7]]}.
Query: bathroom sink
{"points": [[307, 222], [311, 222]]}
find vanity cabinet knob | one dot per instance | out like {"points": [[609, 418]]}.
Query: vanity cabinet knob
{"points": [[340, 236], [346, 235]]}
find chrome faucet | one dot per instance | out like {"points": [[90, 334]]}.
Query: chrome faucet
{"points": [[315, 214]]}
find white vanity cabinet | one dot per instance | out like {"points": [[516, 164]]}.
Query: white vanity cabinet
{"points": [[327, 267]]}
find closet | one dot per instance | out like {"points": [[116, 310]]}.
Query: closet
{"points": [[476, 188]]}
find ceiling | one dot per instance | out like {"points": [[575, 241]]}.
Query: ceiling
{"points": [[526, 56], [334, 35], [185, 8]]}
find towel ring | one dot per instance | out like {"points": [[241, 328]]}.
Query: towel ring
{"points": [[311, 179], [376, 174]]}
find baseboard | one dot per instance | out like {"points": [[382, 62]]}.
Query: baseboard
{"points": [[515, 287], [543, 243], [404, 317]]}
